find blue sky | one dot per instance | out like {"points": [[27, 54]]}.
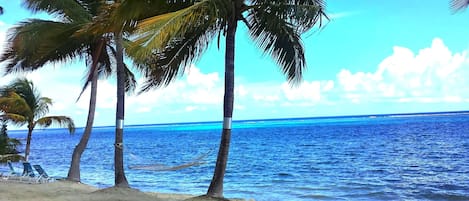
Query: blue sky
{"points": [[373, 57]]}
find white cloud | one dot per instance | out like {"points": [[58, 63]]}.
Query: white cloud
{"points": [[195, 88], [197, 78], [434, 74], [306, 91]]}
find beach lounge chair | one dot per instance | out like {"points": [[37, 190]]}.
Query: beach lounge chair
{"points": [[12, 170], [28, 170], [43, 176]]}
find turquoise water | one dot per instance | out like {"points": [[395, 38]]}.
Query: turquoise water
{"points": [[380, 157]]}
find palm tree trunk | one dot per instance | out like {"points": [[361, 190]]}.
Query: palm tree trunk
{"points": [[28, 141], [216, 185], [74, 171], [120, 179]]}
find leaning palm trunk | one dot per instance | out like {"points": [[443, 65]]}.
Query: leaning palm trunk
{"points": [[28, 141], [119, 174], [216, 186], [74, 171]]}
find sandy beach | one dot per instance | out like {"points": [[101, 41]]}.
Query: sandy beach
{"points": [[71, 191]]}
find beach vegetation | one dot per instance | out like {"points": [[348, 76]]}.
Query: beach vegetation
{"points": [[8, 146], [22, 104], [274, 26], [35, 42]]}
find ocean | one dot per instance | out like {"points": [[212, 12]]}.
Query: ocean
{"points": [[375, 157]]}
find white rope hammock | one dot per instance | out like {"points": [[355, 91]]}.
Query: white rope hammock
{"points": [[160, 167]]}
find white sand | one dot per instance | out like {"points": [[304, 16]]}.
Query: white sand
{"points": [[70, 191]]}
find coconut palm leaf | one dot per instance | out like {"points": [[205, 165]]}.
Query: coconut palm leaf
{"points": [[162, 67], [276, 38], [62, 121], [42, 106], [24, 52], [302, 14], [156, 32], [70, 10], [166, 44], [133, 10], [458, 5], [26, 90], [16, 119], [275, 26], [13, 103]]}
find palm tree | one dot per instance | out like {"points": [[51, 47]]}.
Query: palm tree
{"points": [[102, 25], [118, 19], [29, 108], [61, 41], [275, 26]]}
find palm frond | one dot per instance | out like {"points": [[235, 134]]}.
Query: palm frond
{"points": [[11, 102], [459, 5], [42, 106], [301, 14], [279, 39], [70, 10], [156, 32], [99, 60], [62, 121], [130, 11], [16, 119], [162, 67], [26, 90], [25, 52], [130, 81]]}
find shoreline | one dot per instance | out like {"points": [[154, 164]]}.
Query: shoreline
{"points": [[74, 191]]}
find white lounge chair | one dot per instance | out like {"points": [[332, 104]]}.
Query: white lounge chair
{"points": [[43, 176]]}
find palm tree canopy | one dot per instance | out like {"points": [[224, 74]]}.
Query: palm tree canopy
{"points": [[164, 45], [68, 10], [21, 103], [123, 16], [60, 40], [169, 42], [11, 101]]}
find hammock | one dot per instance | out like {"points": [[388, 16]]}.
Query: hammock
{"points": [[160, 167]]}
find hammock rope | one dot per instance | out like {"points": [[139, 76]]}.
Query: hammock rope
{"points": [[160, 167]]}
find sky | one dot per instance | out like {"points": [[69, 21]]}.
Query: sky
{"points": [[372, 57]]}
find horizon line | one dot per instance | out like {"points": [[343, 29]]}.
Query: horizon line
{"points": [[293, 118], [286, 118]]}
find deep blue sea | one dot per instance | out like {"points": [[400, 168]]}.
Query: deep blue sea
{"points": [[381, 157]]}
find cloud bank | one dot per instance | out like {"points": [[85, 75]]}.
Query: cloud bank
{"points": [[430, 75]]}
